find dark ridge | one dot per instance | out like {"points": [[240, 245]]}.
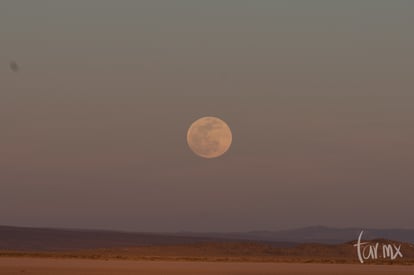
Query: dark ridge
{"points": [[47, 239]]}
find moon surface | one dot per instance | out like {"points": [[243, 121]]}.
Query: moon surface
{"points": [[209, 137]]}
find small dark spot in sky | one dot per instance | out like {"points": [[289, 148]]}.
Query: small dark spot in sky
{"points": [[14, 66]]}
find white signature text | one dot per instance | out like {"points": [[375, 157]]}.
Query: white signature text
{"points": [[373, 251]]}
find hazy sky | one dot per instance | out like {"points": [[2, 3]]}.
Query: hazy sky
{"points": [[318, 94]]}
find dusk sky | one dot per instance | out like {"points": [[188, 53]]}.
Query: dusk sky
{"points": [[319, 96]]}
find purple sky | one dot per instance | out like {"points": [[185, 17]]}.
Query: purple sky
{"points": [[319, 98]]}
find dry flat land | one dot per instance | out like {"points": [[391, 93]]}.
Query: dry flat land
{"points": [[223, 252], [65, 252], [46, 266]]}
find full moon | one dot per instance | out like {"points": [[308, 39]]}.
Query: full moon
{"points": [[209, 137]]}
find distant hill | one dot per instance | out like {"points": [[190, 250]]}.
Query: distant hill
{"points": [[314, 234], [46, 239]]}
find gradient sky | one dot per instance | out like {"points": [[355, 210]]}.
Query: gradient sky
{"points": [[318, 94]]}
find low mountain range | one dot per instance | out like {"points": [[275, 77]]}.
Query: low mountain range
{"points": [[49, 239], [314, 234]]}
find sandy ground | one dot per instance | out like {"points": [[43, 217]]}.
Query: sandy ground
{"points": [[39, 266]]}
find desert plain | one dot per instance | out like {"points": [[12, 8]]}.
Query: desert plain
{"points": [[50, 266], [37, 251]]}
